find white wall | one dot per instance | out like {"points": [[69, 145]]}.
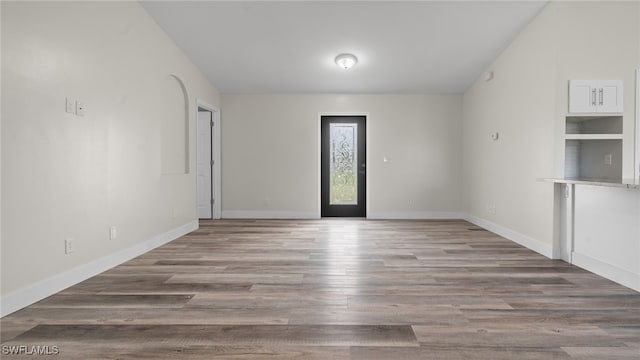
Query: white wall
{"points": [[66, 176], [527, 101], [270, 154]]}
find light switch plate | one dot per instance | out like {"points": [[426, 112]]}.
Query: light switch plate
{"points": [[71, 106]]}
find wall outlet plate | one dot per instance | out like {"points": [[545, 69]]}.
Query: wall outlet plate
{"points": [[79, 108], [491, 208], [69, 246]]}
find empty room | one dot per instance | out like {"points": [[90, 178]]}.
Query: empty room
{"points": [[320, 180]]}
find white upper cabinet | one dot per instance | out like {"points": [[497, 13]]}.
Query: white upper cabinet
{"points": [[595, 96]]}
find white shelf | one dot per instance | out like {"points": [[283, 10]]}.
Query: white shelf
{"points": [[593, 136], [591, 116]]}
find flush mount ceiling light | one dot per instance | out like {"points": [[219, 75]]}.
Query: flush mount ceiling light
{"points": [[346, 61]]}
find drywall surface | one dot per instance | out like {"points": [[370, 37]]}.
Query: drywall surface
{"points": [[271, 153], [607, 232], [526, 102], [126, 163], [500, 175]]}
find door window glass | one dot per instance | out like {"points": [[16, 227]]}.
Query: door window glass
{"points": [[343, 142]]}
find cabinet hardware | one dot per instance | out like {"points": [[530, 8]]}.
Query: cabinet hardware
{"points": [[601, 96]]}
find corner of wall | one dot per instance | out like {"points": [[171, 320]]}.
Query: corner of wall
{"points": [[532, 244]]}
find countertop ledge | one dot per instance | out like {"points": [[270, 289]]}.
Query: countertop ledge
{"points": [[626, 184]]}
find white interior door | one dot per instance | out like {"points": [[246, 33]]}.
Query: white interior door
{"points": [[205, 166]]}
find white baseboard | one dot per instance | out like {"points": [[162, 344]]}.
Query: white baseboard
{"points": [[396, 215], [608, 271], [526, 241], [241, 214], [415, 215], [24, 297]]}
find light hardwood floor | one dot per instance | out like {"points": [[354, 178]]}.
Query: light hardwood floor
{"points": [[336, 289]]}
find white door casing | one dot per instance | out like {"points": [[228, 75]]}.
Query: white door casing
{"points": [[204, 165], [636, 175]]}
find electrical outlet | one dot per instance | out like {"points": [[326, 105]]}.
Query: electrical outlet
{"points": [[411, 203], [491, 208], [69, 246], [79, 108], [113, 232]]}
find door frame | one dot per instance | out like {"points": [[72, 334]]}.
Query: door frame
{"points": [[215, 149], [636, 165], [367, 119]]}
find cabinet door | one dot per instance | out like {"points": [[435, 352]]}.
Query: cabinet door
{"points": [[582, 96], [593, 96], [610, 96]]}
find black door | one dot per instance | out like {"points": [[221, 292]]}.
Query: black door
{"points": [[343, 166]]}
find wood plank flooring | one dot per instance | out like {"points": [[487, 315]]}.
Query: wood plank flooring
{"points": [[335, 289]]}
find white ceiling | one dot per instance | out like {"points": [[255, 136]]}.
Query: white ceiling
{"points": [[289, 46]]}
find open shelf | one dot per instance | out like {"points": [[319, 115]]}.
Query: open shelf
{"points": [[593, 125], [593, 136], [593, 147]]}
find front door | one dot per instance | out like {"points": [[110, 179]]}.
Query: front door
{"points": [[343, 166]]}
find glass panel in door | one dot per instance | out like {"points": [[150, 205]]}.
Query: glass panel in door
{"points": [[343, 166]]}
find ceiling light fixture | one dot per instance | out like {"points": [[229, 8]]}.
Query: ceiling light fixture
{"points": [[346, 61]]}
